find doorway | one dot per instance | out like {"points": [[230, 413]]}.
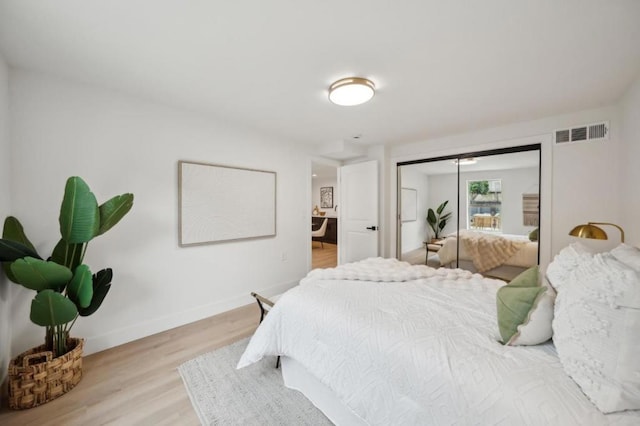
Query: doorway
{"points": [[324, 207]]}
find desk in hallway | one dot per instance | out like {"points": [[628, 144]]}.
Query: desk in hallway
{"points": [[331, 236]]}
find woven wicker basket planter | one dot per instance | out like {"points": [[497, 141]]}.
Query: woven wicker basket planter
{"points": [[35, 377]]}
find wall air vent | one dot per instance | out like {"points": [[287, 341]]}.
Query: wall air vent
{"points": [[588, 132], [563, 136], [598, 131]]}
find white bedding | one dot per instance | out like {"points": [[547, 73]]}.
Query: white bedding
{"points": [[423, 351], [526, 257]]}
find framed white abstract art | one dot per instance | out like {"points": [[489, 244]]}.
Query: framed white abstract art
{"points": [[223, 203]]}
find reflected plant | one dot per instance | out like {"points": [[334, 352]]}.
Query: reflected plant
{"points": [[438, 220]]}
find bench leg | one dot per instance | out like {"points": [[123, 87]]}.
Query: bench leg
{"points": [[262, 310]]}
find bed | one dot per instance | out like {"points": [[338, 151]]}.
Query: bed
{"points": [[500, 256], [382, 342]]}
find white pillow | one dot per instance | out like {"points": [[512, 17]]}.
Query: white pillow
{"points": [[628, 255], [566, 261], [596, 330]]}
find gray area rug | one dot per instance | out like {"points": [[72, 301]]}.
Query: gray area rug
{"points": [[254, 395]]}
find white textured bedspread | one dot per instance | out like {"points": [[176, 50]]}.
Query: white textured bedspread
{"points": [[421, 352]]}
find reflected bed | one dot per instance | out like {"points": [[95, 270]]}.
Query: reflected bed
{"points": [[500, 256]]}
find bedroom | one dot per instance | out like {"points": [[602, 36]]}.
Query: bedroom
{"points": [[83, 123]]}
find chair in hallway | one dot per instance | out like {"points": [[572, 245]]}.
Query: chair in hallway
{"points": [[318, 234]]}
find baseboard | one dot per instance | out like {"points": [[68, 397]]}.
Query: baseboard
{"points": [[128, 334]]}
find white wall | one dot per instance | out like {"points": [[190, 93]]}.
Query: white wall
{"points": [[122, 144], [515, 182], [321, 182], [581, 176], [5, 210], [414, 233], [630, 156]]}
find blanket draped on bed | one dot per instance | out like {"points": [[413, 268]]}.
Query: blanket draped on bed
{"points": [[379, 269], [489, 251]]}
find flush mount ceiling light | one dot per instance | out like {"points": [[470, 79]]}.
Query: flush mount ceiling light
{"points": [[465, 161], [351, 91]]}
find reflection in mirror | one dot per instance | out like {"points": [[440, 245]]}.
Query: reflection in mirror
{"points": [[421, 238], [493, 229]]}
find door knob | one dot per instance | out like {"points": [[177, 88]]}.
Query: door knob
{"points": [[373, 228]]}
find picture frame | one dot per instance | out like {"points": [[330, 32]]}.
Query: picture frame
{"points": [[326, 197], [219, 203], [409, 207]]}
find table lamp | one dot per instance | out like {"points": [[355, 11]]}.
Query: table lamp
{"points": [[590, 230]]}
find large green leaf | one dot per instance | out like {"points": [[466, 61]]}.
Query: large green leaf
{"points": [[80, 289], [6, 267], [69, 255], [13, 230], [12, 250], [79, 213], [113, 210], [431, 217], [36, 274], [101, 285], [442, 206], [51, 308]]}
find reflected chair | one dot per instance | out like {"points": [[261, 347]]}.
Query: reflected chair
{"points": [[318, 234]]}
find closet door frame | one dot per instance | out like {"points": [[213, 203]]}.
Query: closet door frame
{"points": [[458, 157]]}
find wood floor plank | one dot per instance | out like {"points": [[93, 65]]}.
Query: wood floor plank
{"points": [[138, 383]]}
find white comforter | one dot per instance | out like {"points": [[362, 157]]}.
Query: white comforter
{"points": [[420, 352]]}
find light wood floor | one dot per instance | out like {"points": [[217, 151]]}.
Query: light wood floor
{"points": [[326, 257], [137, 383], [417, 257]]}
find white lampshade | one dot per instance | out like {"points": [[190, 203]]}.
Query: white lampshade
{"points": [[351, 91]]}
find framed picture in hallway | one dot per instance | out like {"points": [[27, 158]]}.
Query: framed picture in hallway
{"points": [[223, 203], [326, 197]]}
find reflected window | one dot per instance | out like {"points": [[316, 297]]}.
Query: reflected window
{"points": [[484, 201]]}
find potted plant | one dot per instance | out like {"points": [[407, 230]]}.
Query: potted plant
{"points": [[65, 289], [438, 220]]}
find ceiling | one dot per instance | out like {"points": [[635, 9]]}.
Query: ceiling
{"points": [[440, 67], [323, 171]]}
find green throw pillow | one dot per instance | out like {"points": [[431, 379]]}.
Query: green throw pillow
{"points": [[516, 302], [533, 235]]}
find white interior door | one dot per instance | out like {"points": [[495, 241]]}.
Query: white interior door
{"points": [[358, 228]]}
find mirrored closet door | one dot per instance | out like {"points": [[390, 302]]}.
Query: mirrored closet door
{"points": [[476, 211]]}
